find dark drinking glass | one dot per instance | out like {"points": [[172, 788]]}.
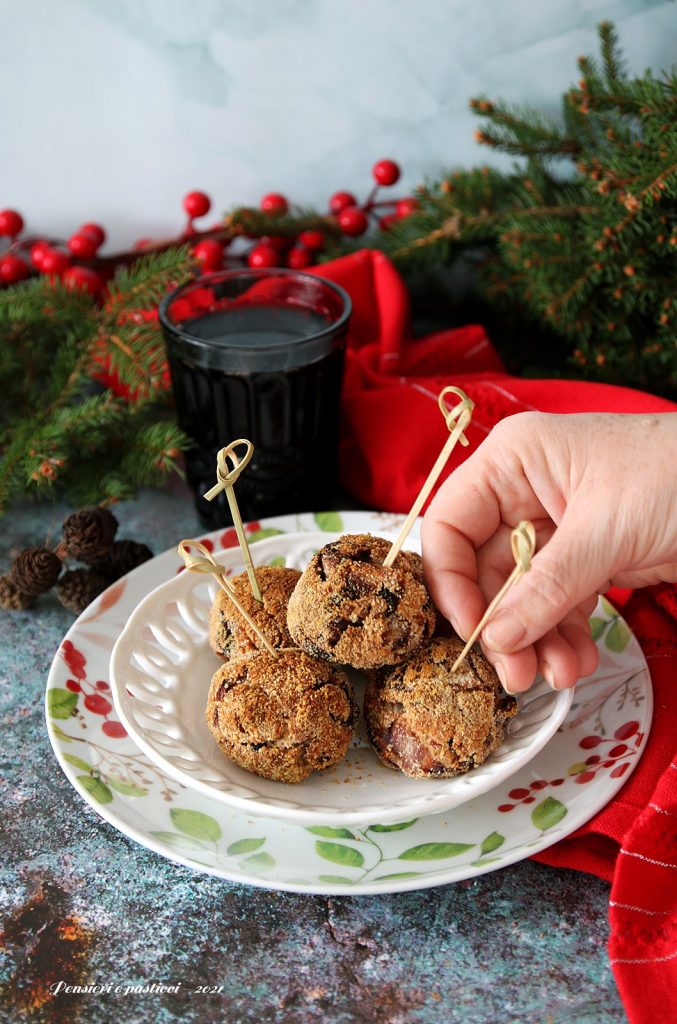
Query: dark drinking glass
{"points": [[258, 354]]}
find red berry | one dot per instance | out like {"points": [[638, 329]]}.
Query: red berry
{"points": [[279, 242], [340, 200], [97, 704], [84, 279], [54, 262], [83, 245], [37, 253], [209, 252], [387, 221], [518, 794], [352, 221], [504, 808], [619, 770], [206, 542], [114, 729], [73, 685], [386, 172], [299, 257], [263, 256], [588, 742], [13, 269], [405, 207], [95, 230], [197, 204], [618, 751], [529, 800], [557, 782], [229, 539], [539, 784], [584, 777], [274, 203], [312, 239], [624, 732], [11, 223], [594, 759], [101, 685]]}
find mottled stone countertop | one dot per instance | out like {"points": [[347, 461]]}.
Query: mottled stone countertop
{"points": [[81, 901]]}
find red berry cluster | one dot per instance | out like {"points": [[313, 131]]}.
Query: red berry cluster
{"points": [[345, 213], [25, 256], [584, 771], [94, 692], [78, 264]]}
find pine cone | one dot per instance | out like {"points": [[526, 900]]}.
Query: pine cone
{"points": [[121, 558], [78, 588], [11, 598], [35, 570], [88, 533]]}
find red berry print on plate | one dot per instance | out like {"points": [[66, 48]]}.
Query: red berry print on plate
{"points": [[624, 732], [74, 659], [73, 685], [115, 730], [588, 742], [97, 704]]}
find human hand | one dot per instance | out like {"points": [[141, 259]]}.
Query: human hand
{"points": [[601, 491]]}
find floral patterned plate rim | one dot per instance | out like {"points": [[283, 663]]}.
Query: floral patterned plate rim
{"points": [[160, 672], [587, 761]]}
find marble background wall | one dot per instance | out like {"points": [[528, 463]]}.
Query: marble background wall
{"points": [[112, 109]]}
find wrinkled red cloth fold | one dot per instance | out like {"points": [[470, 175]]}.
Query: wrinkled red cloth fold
{"points": [[393, 431]]}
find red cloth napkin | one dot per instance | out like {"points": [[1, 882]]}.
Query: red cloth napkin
{"points": [[393, 430], [390, 413]]}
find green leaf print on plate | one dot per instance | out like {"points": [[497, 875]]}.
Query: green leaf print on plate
{"points": [[77, 762], [398, 827], [340, 854], [179, 842], [244, 846], [195, 824], [330, 522], [60, 702], [96, 788], [331, 833], [492, 842], [618, 636], [262, 534], [548, 813], [435, 851], [124, 787], [259, 862]]}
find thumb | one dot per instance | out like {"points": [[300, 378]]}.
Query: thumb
{"points": [[575, 563]]}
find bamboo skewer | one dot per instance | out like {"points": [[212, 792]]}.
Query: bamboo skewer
{"points": [[209, 564], [523, 542], [457, 419], [226, 478]]}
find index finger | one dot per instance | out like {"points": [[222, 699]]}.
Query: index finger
{"points": [[463, 515]]}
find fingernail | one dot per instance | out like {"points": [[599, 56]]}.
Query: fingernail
{"points": [[456, 628], [504, 632], [548, 674], [500, 672]]}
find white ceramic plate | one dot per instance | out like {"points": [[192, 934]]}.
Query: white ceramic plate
{"points": [[160, 672], [585, 763]]}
